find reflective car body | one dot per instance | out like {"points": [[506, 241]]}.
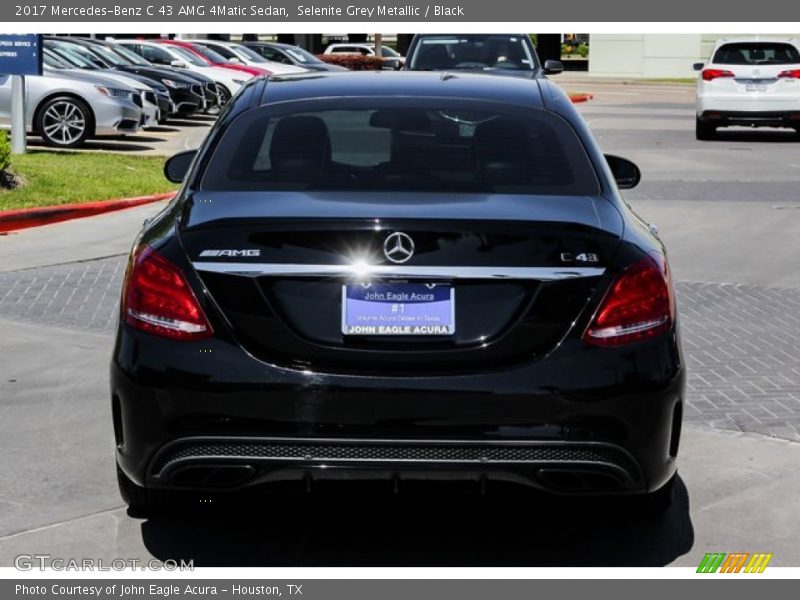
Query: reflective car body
{"points": [[227, 82], [244, 55], [751, 83], [110, 115], [80, 66], [291, 55], [401, 276], [176, 92], [213, 59]]}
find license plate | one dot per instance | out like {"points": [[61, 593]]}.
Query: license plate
{"points": [[398, 309], [755, 86]]}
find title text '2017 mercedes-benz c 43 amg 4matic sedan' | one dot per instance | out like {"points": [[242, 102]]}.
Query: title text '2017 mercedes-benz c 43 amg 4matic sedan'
{"points": [[397, 276]]}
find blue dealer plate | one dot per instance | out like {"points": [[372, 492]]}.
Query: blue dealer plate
{"points": [[398, 309]]}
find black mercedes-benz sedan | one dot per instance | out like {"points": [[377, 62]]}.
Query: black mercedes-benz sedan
{"points": [[397, 276]]}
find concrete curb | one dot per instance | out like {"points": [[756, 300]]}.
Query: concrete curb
{"points": [[24, 218]]}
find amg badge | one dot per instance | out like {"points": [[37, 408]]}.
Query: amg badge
{"points": [[230, 253]]}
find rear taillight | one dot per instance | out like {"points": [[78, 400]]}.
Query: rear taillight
{"points": [[640, 305], [790, 74], [156, 298], [712, 74]]}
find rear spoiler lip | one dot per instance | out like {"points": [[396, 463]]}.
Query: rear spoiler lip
{"points": [[207, 208]]}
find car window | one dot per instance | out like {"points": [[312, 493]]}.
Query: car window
{"points": [[248, 53], [472, 52], [207, 53], [276, 56], [110, 57], [129, 54], [757, 53], [156, 55], [270, 54], [225, 53], [67, 55], [387, 52], [301, 55], [83, 54], [400, 148], [189, 56]]}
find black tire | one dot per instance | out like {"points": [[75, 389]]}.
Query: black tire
{"points": [[143, 502], [704, 131], [224, 96], [658, 502], [64, 122]]}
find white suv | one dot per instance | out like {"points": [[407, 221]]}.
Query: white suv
{"points": [[391, 58], [748, 82]]}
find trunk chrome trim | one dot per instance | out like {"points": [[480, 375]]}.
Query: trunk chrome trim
{"points": [[360, 271]]}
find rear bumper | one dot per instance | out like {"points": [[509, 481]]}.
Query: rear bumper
{"points": [[230, 463], [728, 118], [223, 419]]}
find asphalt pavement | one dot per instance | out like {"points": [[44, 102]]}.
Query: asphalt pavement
{"points": [[729, 212]]}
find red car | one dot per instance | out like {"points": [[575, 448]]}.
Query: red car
{"points": [[216, 60]]}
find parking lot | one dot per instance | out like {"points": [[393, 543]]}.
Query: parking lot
{"points": [[729, 213]]}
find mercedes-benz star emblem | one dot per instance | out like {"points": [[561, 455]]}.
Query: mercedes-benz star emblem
{"points": [[398, 247]]}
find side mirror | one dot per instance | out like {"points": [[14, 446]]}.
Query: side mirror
{"points": [[553, 67], [177, 165], [626, 174], [178, 64], [698, 66], [235, 61]]}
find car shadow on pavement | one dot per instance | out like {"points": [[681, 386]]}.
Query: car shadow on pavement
{"points": [[781, 136], [116, 144], [189, 123], [431, 530]]}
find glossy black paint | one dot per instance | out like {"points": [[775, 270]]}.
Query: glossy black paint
{"points": [[519, 373]]}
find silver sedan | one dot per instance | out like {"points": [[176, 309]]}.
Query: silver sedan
{"points": [[66, 110]]}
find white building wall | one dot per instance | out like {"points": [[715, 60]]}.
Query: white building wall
{"points": [[654, 55], [649, 55]]}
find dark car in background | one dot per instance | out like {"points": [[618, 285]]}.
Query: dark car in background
{"points": [[187, 91], [497, 54], [156, 93], [398, 276], [291, 55]]}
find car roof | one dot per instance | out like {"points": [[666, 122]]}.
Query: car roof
{"points": [[207, 41], [512, 90], [751, 40]]}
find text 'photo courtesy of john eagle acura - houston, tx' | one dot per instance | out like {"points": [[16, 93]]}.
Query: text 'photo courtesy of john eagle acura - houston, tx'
{"points": [[398, 275]]}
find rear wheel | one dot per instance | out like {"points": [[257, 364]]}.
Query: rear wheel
{"points": [[658, 502], [224, 95], [143, 502], [64, 122], [704, 131]]}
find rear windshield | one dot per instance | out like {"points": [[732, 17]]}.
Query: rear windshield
{"points": [[472, 52], [392, 147], [757, 53]]}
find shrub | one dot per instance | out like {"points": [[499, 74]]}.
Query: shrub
{"points": [[583, 50], [5, 151], [354, 62]]}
